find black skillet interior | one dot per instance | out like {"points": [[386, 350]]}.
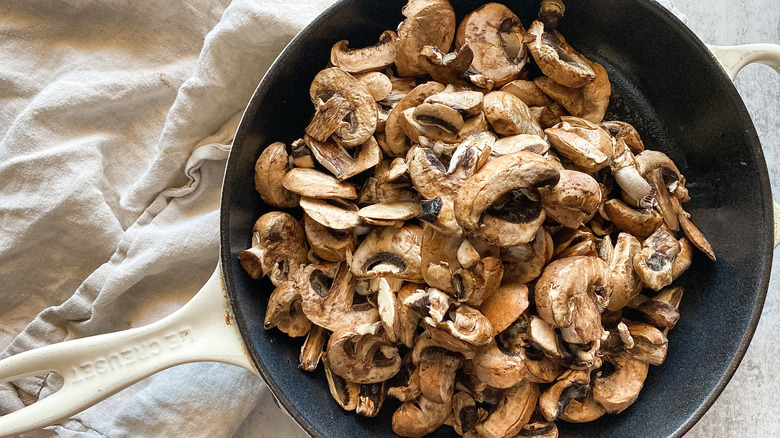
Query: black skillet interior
{"points": [[668, 86]]}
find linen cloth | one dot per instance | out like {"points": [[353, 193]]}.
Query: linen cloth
{"points": [[116, 119]]}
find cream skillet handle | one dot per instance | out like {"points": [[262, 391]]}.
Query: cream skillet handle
{"points": [[96, 367], [733, 58]]}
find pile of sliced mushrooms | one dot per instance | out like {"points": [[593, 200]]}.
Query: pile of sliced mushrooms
{"points": [[472, 241]]}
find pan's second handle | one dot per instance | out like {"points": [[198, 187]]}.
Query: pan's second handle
{"points": [[733, 59], [96, 367]]}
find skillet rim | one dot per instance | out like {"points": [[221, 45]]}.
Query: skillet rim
{"points": [[698, 47]]}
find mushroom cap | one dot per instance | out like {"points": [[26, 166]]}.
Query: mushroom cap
{"points": [[466, 102], [394, 134], [523, 263], [505, 305], [361, 122], [420, 417], [312, 183], [495, 35], [574, 200], [556, 58], [427, 23], [332, 213], [327, 301], [270, 170], [623, 277], [361, 356], [653, 263], [341, 163], [278, 247], [583, 142], [639, 223], [498, 368], [520, 142], [329, 244], [582, 412], [284, 311], [389, 251], [508, 115], [617, 390], [528, 92], [512, 412], [372, 58], [571, 386]]}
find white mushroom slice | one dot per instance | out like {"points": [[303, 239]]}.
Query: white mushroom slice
{"points": [[390, 211], [329, 244], [508, 115], [437, 371], [270, 170], [392, 252], [465, 415], [660, 311], [528, 92], [544, 337], [502, 180], [468, 325], [467, 255], [394, 134], [683, 260], [628, 177], [438, 258], [440, 214], [387, 305], [565, 297], [583, 142], [556, 58], [653, 263], [639, 223], [414, 130], [408, 319], [312, 348], [574, 200], [420, 417], [332, 213], [468, 103], [343, 391], [624, 131], [379, 86], [301, 154], [372, 58], [472, 125], [571, 386], [473, 286], [498, 368], [328, 302], [312, 183], [427, 23], [512, 412], [523, 263], [340, 163], [284, 311], [520, 142], [589, 102], [328, 117], [361, 121], [448, 68], [438, 115], [625, 282], [470, 155], [616, 390], [362, 357], [278, 248], [495, 34]]}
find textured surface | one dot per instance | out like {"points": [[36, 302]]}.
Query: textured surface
{"points": [[747, 406]]}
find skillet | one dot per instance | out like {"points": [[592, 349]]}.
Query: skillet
{"points": [[665, 82]]}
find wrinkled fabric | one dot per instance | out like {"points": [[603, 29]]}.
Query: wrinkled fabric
{"points": [[116, 119]]}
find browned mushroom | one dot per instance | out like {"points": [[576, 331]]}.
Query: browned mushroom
{"points": [[360, 355], [278, 248], [372, 58], [389, 251], [508, 115], [653, 263], [512, 412], [270, 170], [361, 121], [583, 142], [574, 200], [556, 58], [427, 23]]}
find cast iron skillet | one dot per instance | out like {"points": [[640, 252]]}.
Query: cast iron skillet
{"points": [[665, 82], [669, 86]]}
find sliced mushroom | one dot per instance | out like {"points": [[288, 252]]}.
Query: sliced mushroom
{"points": [[270, 170], [528, 92], [660, 311], [416, 131], [473, 286], [589, 102], [630, 180], [524, 263], [625, 282], [467, 103], [624, 131], [339, 162], [394, 134], [361, 121], [372, 58], [640, 223], [312, 183], [497, 367], [437, 367], [439, 116], [465, 415], [329, 244], [388, 306], [574, 200], [278, 248], [405, 386], [539, 429], [495, 34], [696, 236], [571, 386], [582, 411], [649, 343], [420, 417], [389, 251], [683, 260], [312, 348], [508, 115], [617, 386], [343, 391], [512, 412], [390, 213], [448, 68], [550, 12], [379, 87], [439, 258], [566, 297], [463, 323], [427, 23], [520, 142], [370, 399], [408, 319], [583, 142], [556, 58], [284, 311], [653, 263], [332, 213], [328, 117], [301, 154], [360, 355], [503, 178], [328, 302]]}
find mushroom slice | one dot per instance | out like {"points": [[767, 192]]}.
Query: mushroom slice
{"points": [[439, 116], [508, 115], [648, 161], [339, 162], [284, 311], [372, 58], [301, 154], [556, 58], [360, 355], [328, 117], [574, 200], [512, 412], [639, 223], [528, 92], [582, 411], [278, 248], [371, 396], [420, 417], [626, 132], [467, 255], [332, 213], [329, 244], [342, 390], [524, 263], [379, 87], [495, 34], [650, 344], [437, 367], [589, 102], [544, 337], [448, 68], [395, 137], [626, 284], [361, 121], [660, 311], [389, 212], [415, 131], [497, 367], [683, 260], [653, 263], [440, 214], [438, 258], [392, 252], [405, 386], [473, 286], [312, 348], [312, 183], [468, 103], [565, 297], [328, 302], [270, 169], [520, 142], [408, 320], [427, 23], [539, 429], [696, 236], [504, 178], [583, 142], [571, 386], [630, 180], [388, 306], [617, 385], [550, 12], [465, 415], [468, 324]]}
